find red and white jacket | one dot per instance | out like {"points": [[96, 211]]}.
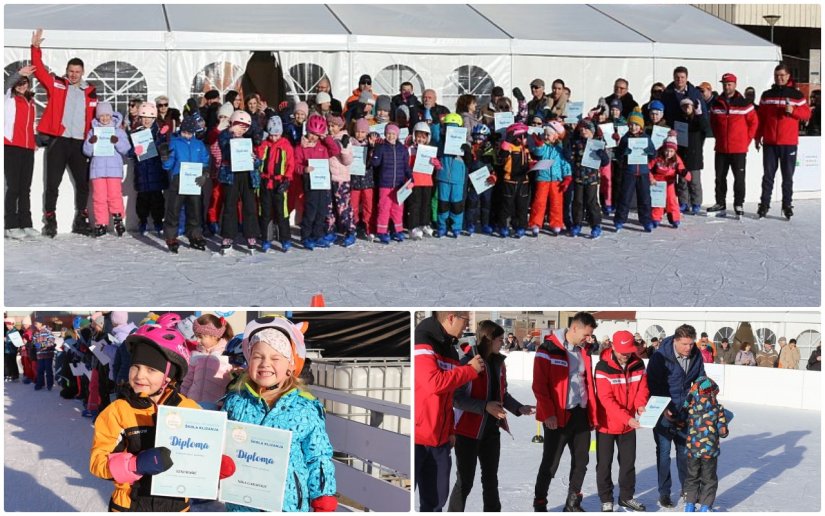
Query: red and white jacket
{"points": [[18, 124], [551, 378], [734, 123], [470, 400], [51, 122], [775, 126], [619, 392], [438, 373]]}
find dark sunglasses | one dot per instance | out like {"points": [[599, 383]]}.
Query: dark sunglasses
{"points": [[368, 83], [163, 105]]}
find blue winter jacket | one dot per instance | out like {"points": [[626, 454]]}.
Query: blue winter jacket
{"points": [[311, 472], [149, 173], [225, 174], [672, 98], [665, 377], [107, 166], [392, 164], [182, 150], [560, 168], [622, 151]]}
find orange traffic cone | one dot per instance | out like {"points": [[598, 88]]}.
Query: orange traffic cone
{"points": [[317, 301]]}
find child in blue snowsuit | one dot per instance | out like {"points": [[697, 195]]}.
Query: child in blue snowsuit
{"points": [[706, 424], [479, 206], [451, 178], [634, 177], [271, 394]]}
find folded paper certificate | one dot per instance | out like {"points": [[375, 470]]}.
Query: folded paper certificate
{"points": [[591, 158], [637, 147], [319, 178], [104, 146], [189, 172], [454, 139], [359, 161], [654, 408], [404, 192], [240, 150], [479, 180], [657, 194]]}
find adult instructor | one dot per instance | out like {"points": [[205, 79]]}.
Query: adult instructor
{"points": [[66, 119], [671, 371]]}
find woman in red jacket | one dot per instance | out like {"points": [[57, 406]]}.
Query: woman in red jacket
{"points": [[18, 145], [479, 413], [621, 393]]}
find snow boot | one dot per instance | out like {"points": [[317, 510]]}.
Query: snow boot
{"points": [[504, 232], [787, 211], [197, 243], [596, 232], [575, 231], [618, 226], [471, 229], [607, 506], [534, 231], [655, 224], [694, 209], [556, 231], [705, 508], [739, 210], [666, 503], [384, 238], [50, 224], [159, 230], [173, 245], [573, 504], [675, 224], [120, 228], [440, 233], [81, 225], [649, 227], [683, 208], [428, 230], [717, 207], [214, 228], [762, 211], [308, 244], [487, 230], [539, 505], [266, 245], [689, 507], [349, 240], [632, 504], [100, 230], [323, 242], [520, 232], [399, 236], [142, 227], [286, 246], [329, 237]]}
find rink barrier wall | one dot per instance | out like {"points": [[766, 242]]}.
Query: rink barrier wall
{"points": [[788, 388], [807, 184]]}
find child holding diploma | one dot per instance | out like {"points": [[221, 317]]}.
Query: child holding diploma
{"points": [[586, 179], [277, 171], [239, 185], [317, 144], [552, 182], [706, 424], [634, 176], [150, 178], [123, 444], [340, 207], [479, 206], [363, 187], [666, 167], [419, 205], [184, 148], [513, 186], [271, 394], [209, 370], [451, 178], [106, 169], [391, 161], [621, 394]]}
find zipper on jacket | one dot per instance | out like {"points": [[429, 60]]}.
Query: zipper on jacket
{"points": [[298, 489]]}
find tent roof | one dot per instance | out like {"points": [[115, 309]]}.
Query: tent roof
{"points": [[667, 31]]}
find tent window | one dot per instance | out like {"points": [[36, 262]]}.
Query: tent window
{"points": [[806, 342], [117, 82], [468, 79], [305, 77], [654, 331], [725, 332], [388, 81], [765, 335], [40, 97], [222, 76]]}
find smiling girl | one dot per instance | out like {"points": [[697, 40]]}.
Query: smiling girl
{"points": [[123, 445], [271, 394]]}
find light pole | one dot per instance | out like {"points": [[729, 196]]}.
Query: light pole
{"points": [[771, 19]]}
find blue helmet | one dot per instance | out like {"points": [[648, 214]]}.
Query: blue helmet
{"points": [[234, 350], [480, 131]]}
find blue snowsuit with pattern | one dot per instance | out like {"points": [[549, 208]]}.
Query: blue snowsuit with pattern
{"points": [[311, 472]]}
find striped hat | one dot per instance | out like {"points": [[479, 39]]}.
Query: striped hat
{"points": [[636, 118]]}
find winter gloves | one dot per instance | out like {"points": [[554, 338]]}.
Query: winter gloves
{"points": [[200, 181], [344, 141], [227, 467], [436, 163], [324, 504], [518, 94], [283, 186], [152, 461], [93, 139]]}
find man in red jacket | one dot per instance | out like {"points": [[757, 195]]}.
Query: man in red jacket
{"points": [[566, 404], [734, 123], [621, 394], [66, 119], [438, 373], [781, 109]]}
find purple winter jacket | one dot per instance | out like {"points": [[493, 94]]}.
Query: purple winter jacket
{"points": [[107, 166], [392, 164]]}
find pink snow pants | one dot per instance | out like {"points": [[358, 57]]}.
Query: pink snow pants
{"points": [[389, 209], [107, 198]]}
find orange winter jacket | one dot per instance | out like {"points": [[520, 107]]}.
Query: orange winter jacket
{"points": [[128, 425]]}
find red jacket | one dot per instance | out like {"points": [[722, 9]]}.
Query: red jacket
{"points": [[550, 381], [278, 161], [734, 123], [619, 392], [22, 111], [470, 423], [775, 126], [437, 375], [51, 122]]}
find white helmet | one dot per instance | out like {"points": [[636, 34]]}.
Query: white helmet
{"points": [[422, 127]]}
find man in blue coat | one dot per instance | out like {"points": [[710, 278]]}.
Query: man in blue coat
{"points": [[681, 89], [671, 371]]}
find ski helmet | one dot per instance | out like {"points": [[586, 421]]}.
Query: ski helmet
{"points": [[454, 118], [516, 129], [169, 342], [317, 125], [422, 127], [294, 332], [481, 132], [148, 110], [240, 117], [168, 320], [234, 350]]}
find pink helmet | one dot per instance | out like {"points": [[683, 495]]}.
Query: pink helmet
{"points": [[317, 125], [295, 333], [240, 117], [168, 320], [148, 110], [516, 129], [168, 341]]}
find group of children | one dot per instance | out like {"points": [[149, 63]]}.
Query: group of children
{"points": [[197, 363], [370, 184]]}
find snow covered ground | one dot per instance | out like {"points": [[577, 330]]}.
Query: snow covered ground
{"points": [[706, 262], [769, 463]]}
